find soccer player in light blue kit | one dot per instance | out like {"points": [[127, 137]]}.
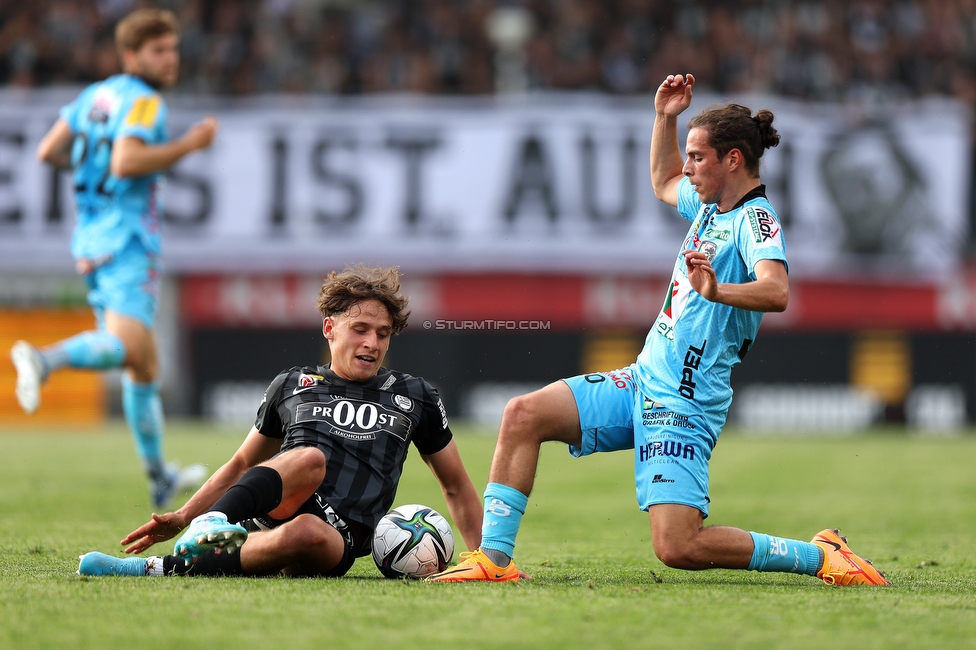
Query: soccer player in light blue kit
{"points": [[670, 406], [114, 138]]}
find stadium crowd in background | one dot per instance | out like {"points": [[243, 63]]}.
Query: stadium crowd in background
{"points": [[823, 50]]}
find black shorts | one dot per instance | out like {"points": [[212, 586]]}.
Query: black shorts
{"points": [[356, 545]]}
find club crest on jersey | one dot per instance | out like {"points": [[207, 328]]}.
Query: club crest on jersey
{"points": [[708, 249], [100, 111], [405, 403]]}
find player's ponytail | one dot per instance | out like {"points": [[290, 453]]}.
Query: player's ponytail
{"points": [[733, 126], [768, 135]]}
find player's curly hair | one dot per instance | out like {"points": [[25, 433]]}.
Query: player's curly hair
{"points": [[143, 25], [733, 126], [342, 290]]}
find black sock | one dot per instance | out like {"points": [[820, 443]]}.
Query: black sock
{"points": [[209, 564], [257, 493]]}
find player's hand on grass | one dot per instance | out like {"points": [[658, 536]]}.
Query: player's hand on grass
{"points": [[159, 529]]}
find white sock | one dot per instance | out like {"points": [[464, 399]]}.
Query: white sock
{"points": [[154, 566]]}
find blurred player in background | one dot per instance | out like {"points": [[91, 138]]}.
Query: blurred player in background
{"points": [[321, 464], [114, 138], [670, 406]]}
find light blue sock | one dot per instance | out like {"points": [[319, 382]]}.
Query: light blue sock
{"points": [[144, 413], [783, 555], [504, 507], [94, 350]]}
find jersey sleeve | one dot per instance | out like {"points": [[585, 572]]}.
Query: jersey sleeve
{"points": [[268, 420], [433, 432], [69, 113], [688, 202], [144, 118], [72, 113], [759, 236]]}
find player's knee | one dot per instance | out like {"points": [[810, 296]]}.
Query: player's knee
{"points": [[309, 546], [140, 361], [307, 534], [142, 372], [308, 464], [520, 416], [675, 553]]}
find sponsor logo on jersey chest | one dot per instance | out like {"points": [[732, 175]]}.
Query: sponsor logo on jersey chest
{"points": [[692, 360], [354, 419], [716, 233]]}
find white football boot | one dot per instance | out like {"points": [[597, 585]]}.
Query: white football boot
{"points": [[30, 375]]}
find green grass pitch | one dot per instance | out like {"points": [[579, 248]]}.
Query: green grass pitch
{"points": [[909, 503]]}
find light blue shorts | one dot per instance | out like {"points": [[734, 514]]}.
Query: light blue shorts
{"points": [[127, 284], [671, 449]]}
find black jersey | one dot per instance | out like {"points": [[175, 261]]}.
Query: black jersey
{"points": [[364, 429]]}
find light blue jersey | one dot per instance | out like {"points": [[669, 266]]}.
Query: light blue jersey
{"points": [[112, 211], [688, 355]]}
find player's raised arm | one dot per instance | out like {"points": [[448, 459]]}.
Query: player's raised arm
{"points": [[672, 98], [133, 157], [463, 500]]}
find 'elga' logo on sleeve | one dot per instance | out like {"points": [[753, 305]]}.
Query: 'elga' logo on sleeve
{"points": [[763, 225]]}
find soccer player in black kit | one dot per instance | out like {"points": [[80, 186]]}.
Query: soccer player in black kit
{"points": [[320, 467]]}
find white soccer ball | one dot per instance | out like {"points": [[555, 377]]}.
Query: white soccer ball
{"points": [[412, 541]]}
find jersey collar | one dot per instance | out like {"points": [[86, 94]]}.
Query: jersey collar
{"points": [[758, 192], [372, 382]]}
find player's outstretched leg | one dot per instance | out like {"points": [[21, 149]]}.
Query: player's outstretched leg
{"points": [[209, 531], [99, 564], [477, 566], [841, 566], [30, 374]]}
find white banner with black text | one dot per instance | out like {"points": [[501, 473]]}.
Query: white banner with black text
{"points": [[543, 183]]}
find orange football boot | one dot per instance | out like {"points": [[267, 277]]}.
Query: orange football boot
{"points": [[841, 565], [477, 566]]}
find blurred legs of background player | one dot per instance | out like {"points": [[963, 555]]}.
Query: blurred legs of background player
{"points": [[124, 339]]}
